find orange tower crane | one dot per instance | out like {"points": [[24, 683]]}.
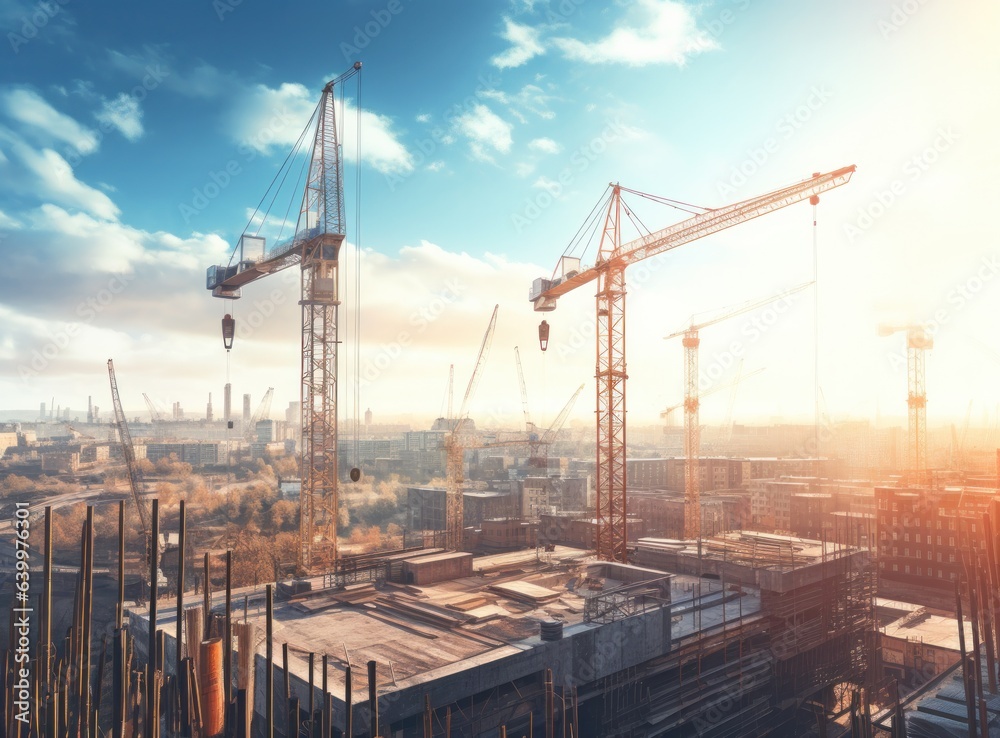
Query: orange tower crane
{"points": [[315, 248], [455, 444], [692, 430], [613, 258], [918, 340]]}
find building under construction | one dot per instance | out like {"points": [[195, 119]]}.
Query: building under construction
{"points": [[764, 642]]}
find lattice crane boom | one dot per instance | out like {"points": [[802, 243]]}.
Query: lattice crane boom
{"points": [[455, 445], [613, 257], [529, 427], [128, 452]]}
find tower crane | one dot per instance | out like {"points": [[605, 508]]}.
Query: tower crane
{"points": [[135, 481], [918, 340], [155, 419], [692, 430], [613, 258], [315, 248], [261, 413], [455, 444], [529, 427], [549, 436]]}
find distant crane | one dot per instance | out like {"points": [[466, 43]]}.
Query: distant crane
{"points": [[455, 444], [135, 482], [613, 257], [918, 340], [155, 419], [549, 436], [261, 413], [692, 430], [315, 247], [529, 427]]}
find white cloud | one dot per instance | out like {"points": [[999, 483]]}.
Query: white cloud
{"points": [[55, 181], [46, 124], [123, 113], [267, 118], [545, 146], [424, 118], [526, 45], [8, 222], [655, 32], [435, 166], [544, 183], [154, 66], [486, 131], [524, 169]]}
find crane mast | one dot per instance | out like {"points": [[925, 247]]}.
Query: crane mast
{"points": [[529, 427], [692, 403], [613, 258], [918, 340]]}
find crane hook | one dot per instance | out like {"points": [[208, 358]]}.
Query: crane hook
{"points": [[543, 335]]}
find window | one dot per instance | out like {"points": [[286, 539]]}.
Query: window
{"points": [[920, 554], [920, 571], [906, 551], [951, 542], [951, 558], [895, 505], [906, 569], [895, 535], [895, 567], [918, 538], [906, 536], [895, 520], [939, 556]]}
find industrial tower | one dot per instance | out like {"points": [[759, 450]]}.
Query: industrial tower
{"points": [[918, 340], [315, 247], [692, 429], [613, 257]]}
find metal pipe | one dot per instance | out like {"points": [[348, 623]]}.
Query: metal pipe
{"points": [[227, 644], [207, 598], [977, 654], [348, 704], [269, 678], [120, 613], [325, 722], [550, 728], [428, 720], [986, 618], [88, 615], [46, 629], [153, 548], [969, 706], [182, 525], [210, 686], [372, 700], [309, 700], [288, 690], [242, 718]]}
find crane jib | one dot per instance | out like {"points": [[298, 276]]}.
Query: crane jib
{"points": [[544, 291]]}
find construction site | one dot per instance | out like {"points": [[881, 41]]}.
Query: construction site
{"points": [[607, 595]]}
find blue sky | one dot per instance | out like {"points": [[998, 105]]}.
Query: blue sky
{"points": [[135, 142]]}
